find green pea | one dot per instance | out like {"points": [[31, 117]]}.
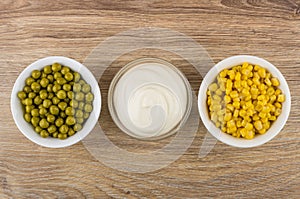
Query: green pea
{"points": [[86, 88], [61, 81], [61, 94], [38, 129], [54, 110], [51, 129], [69, 76], [29, 81], [62, 136], [27, 89], [70, 94], [28, 101], [29, 108], [43, 75], [50, 96], [56, 88], [44, 95], [55, 100], [44, 123], [62, 114], [50, 118], [47, 70], [57, 75], [50, 78], [44, 134], [71, 83], [79, 96], [89, 97], [22, 95], [27, 117], [79, 113], [59, 122], [35, 121], [35, 112], [88, 108], [62, 106], [82, 82], [35, 74], [79, 120], [47, 103], [76, 87], [81, 105], [42, 111], [63, 129], [31, 95], [77, 127], [76, 77], [70, 111], [40, 106], [35, 87], [56, 67], [55, 134], [38, 100], [67, 100], [86, 115], [65, 70], [67, 87], [44, 82], [70, 120], [49, 88], [74, 103], [71, 132]]}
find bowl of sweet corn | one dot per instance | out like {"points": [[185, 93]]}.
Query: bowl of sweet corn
{"points": [[244, 101]]}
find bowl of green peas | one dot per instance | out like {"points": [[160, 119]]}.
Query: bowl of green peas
{"points": [[56, 102], [244, 101]]}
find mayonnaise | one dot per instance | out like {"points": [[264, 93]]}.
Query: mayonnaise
{"points": [[150, 99]]}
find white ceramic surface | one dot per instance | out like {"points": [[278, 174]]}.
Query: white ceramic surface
{"points": [[258, 139], [18, 112]]}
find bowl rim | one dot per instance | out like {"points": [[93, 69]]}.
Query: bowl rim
{"points": [[16, 106], [228, 139]]}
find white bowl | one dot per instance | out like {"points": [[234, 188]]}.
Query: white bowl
{"points": [[226, 138], [18, 112]]}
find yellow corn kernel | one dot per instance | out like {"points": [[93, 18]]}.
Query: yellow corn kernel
{"points": [[223, 128], [254, 96], [236, 104], [258, 125], [261, 87], [249, 135], [213, 87], [277, 92], [208, 101], [272, 118], [255, 117], [277, 112], [268, 115], [237, 84], [237, 99], [277, 105], [227, 99], [281, 98], [273, 108], [238, 76], [250, 112], [249, 126], [261, 97], [245, 71], [216, 107], [270, 91], [268, 82], [217, 98], [245, 92], [243, 132], [208, 92], [264, 120], [244, 83], [256, 81], [242, 103], [233, 130], [221, 112], [222, 87], [227, 116], [243, 113], [245, 65], [229, 84], [244, 122], [239, 123], [223, 73], [262, 115], [230, 107], [218, 124], [266, 125], [268, 75], [256, 75], [234, 94], [244, 77], [249, 82], [214, 117], [231, 124], [248, 98], [231, 74], [236, 113], [250, 74], [262, 131], [250, 67], [266, 109], [256, 67], [262, 72], [219, 92], [275, 81]]}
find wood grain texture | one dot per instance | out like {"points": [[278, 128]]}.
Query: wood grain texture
{"points": [[31, 29]]}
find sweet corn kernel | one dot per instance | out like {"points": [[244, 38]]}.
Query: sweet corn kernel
{"points": [[213, 87], [268, 82], [223, 73], [221, 112], [243, 132], [262, 72], [231, 124], [249, 82], [275, 81], [256, 67], [238, 76], [245, 71], [237, 99], [218, 124], [256, 80], [236, 104], [230, 107], [231, 74], [236, 113], [227, 116], [277, 92], [219, 92], [264, 120], [277, 112], [281, 98], [245, 65], [255, 117], [262, 115], [223, 129], [250, 67], [258, 125], [227, 99], [249, 126], [234, 94], [237, 84], [262, 131], [272, 118], [277, 105], [239, 123], [243, 113], [270, 91], [214, 117], [249, 135]]}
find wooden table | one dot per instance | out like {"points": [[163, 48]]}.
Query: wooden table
{"points": [[30, 30]]}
